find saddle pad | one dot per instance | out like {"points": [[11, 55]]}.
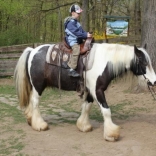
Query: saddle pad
{"points": [[55, 56], [49, 53]]}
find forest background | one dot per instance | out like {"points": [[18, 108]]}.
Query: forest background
{"points": [[30, 21]]}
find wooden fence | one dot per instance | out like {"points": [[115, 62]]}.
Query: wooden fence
{"points": [[10, 54]]}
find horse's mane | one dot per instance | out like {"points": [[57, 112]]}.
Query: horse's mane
{"points": [[119, 57], [146, 55]]}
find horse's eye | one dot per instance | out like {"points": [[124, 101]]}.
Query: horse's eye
{"points": [[140, 58]]}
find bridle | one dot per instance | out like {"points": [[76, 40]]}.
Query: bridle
{"points": [[152, 91]]}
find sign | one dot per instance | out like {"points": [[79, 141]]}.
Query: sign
{"points": [[117, 26]]}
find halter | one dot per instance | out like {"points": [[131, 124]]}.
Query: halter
{"points": [[152, 91]]}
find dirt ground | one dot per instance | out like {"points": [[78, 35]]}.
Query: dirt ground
{"points": [[134, 112]]}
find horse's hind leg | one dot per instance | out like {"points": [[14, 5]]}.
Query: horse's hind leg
{"points": [[37, 121], [83, 122], [28, 113]]}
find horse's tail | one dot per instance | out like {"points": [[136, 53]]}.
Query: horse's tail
{"points": [[22, 82]]}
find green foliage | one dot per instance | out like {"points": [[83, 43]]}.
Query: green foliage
{"points": [[14, 36], [12, 30], [27, 21], [12, 7]]}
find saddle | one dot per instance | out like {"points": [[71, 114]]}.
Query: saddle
{"points": [[59, 55], [84, 47], [61, 52]]}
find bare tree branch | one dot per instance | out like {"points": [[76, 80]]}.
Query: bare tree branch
{"points": [[58, 7]]}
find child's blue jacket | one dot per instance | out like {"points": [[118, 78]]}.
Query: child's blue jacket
{"points": [[74, 32]]}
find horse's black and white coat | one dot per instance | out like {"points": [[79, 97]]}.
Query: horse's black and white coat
{"points": [[33, 75]]}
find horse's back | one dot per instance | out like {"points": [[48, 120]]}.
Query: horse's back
{"points": [[43, 74]]}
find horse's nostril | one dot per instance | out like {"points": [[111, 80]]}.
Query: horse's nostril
{"points": [[155, 83], [149, 83]]}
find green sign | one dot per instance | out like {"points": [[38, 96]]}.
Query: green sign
{"points": [[117, 26]]}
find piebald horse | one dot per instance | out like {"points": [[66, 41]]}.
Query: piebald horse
{"points": [[109, 61]]}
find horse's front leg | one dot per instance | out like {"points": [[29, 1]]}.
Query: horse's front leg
{"points": [[83, 122], [111, 130]]}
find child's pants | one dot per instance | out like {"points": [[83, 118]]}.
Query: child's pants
{"points": [[74, 57]]}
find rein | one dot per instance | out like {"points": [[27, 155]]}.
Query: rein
{"points": [[152, 91]]}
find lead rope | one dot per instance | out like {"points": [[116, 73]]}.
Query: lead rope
{"points": [[152, 91]]}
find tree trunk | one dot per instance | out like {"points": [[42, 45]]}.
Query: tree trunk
{"points": [[60, 22], [137, 19], [85, 15], [92, 16], [148, 34]]}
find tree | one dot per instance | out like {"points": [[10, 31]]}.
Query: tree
{"points": [[28, 21], [85, 15], [148, 34]]}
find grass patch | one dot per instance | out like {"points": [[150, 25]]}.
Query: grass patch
{"points": [[5, 89], [51, 112], [11, 145], [96, 113], [7, 111], [125, 110], [54, 93], [120, 111], [66, 120], [9, 118]]}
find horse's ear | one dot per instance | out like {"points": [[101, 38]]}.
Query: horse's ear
{"points": [[137, 52], [145, 46], [135, 48]]}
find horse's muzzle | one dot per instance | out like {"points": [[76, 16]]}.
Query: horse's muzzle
{"points": [[150, 84]]}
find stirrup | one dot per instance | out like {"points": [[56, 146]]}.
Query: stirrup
{"points": [[73, 73]]}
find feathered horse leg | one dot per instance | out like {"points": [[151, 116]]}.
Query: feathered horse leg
{"points": [[83, 122], [28, 113], [37, 121]]}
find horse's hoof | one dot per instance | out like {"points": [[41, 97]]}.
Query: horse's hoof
{"points": [[112, 133], [112, 139], [88, 128], [84, 128], [42, 127]]}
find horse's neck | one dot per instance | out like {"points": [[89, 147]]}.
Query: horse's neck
{"points": [[89, 58]]}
